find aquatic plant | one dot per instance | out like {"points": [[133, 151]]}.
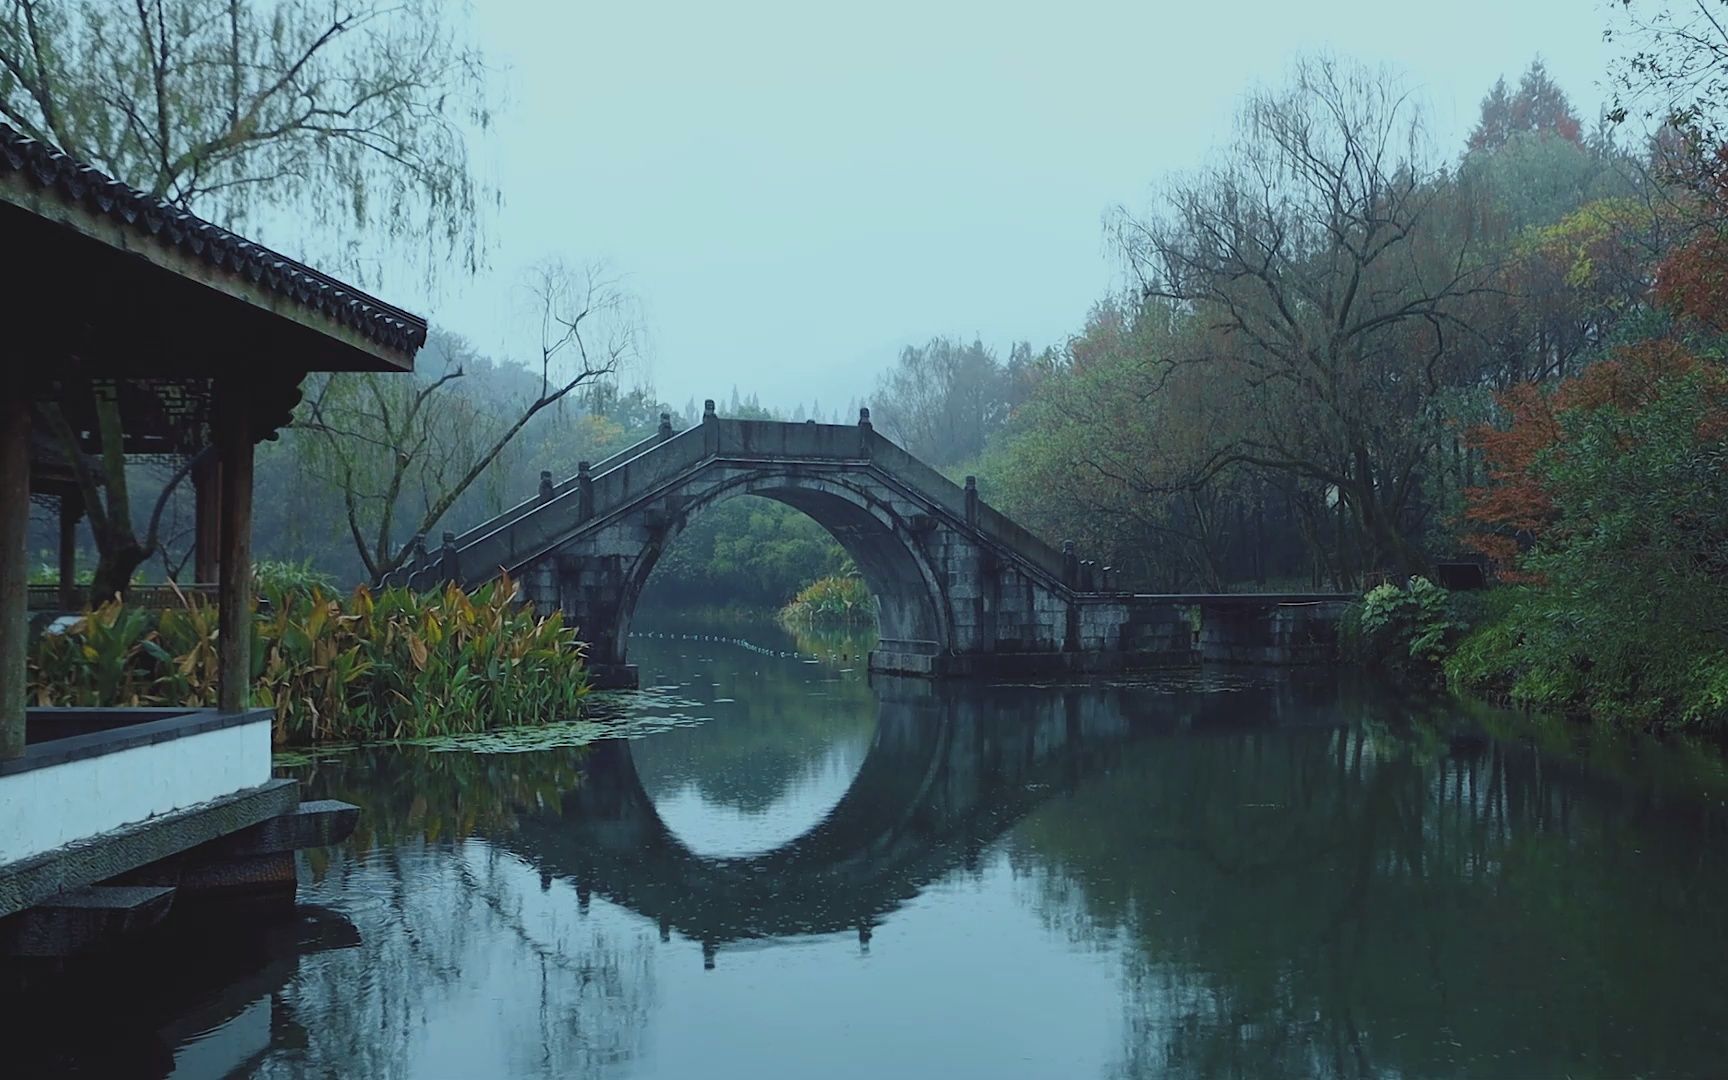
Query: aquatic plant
{"points": [[381, 666], [831, 601]]}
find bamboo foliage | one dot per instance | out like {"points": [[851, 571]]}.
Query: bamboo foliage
{"points": [[388, 665]]}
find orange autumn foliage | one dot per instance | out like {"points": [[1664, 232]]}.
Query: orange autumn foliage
{"points": [[1515, 506], [1693, 280], [1513, 503]]}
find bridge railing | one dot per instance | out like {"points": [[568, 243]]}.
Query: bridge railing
{"points": [[520, 538], [790, 442], [533, 502], [955, 499], [523, 532], [747, 438]]}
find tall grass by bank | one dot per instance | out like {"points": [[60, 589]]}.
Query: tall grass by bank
{"points": [[834, 601], [391, 665]]}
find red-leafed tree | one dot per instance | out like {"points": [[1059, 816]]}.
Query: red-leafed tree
{"points": [[1692, 279], [1514, 508]]}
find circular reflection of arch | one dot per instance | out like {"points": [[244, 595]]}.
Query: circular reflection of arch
{"points": [[906, 586], [946, 774], [763, 775]]}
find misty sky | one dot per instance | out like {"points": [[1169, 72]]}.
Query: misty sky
{"points": [[795, 190]]}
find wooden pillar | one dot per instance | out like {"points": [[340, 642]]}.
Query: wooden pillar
{"points": [[71, 509], [207, 490], [14, 567], [234, 556]]}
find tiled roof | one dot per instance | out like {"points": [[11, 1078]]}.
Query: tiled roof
{"points": [[86, 186]]}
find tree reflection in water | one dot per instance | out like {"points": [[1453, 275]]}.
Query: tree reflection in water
{"points": [[1390, 899], [442, 914]]}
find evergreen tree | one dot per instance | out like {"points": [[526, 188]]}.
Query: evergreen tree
{"points": [[1539, 107]]}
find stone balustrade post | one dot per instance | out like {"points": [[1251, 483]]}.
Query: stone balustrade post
{"points": [[665, 426], [866, 430], [972, 501], [584, 491], [710, 428], [1070, 565], [545, 484], [449, 567]]}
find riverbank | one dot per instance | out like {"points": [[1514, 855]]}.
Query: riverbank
{"points": [[1523, 646]]}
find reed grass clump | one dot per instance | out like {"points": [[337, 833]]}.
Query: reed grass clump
{"points": [[841, 600]]}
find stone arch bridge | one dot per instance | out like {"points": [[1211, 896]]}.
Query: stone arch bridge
{"points": [[960, 588]]}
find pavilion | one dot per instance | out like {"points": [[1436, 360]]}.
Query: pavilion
{"points": [[202, 337]]}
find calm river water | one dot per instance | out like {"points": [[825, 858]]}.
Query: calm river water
{"points": [[797, 871]]}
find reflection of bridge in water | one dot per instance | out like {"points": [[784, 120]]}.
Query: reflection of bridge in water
{"points": [[946, 774]]}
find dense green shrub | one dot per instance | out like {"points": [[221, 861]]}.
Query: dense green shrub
{"points": [[831, 601], [1410, 628], [1544, 648], [393, 665]]}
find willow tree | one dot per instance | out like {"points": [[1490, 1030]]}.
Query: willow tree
{"points": [[1333, 267], [343, 117]]}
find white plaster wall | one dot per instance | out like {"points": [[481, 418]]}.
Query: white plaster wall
{"points": [[44, 808]]}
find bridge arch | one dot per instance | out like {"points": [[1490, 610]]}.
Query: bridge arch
{"points": [[851, 508]]}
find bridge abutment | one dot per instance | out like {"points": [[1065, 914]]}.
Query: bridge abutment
{"points": [[1271, 633]]}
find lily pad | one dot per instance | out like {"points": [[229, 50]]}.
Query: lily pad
{"points": [[295, 757], [521, 740], [616, 714]]}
